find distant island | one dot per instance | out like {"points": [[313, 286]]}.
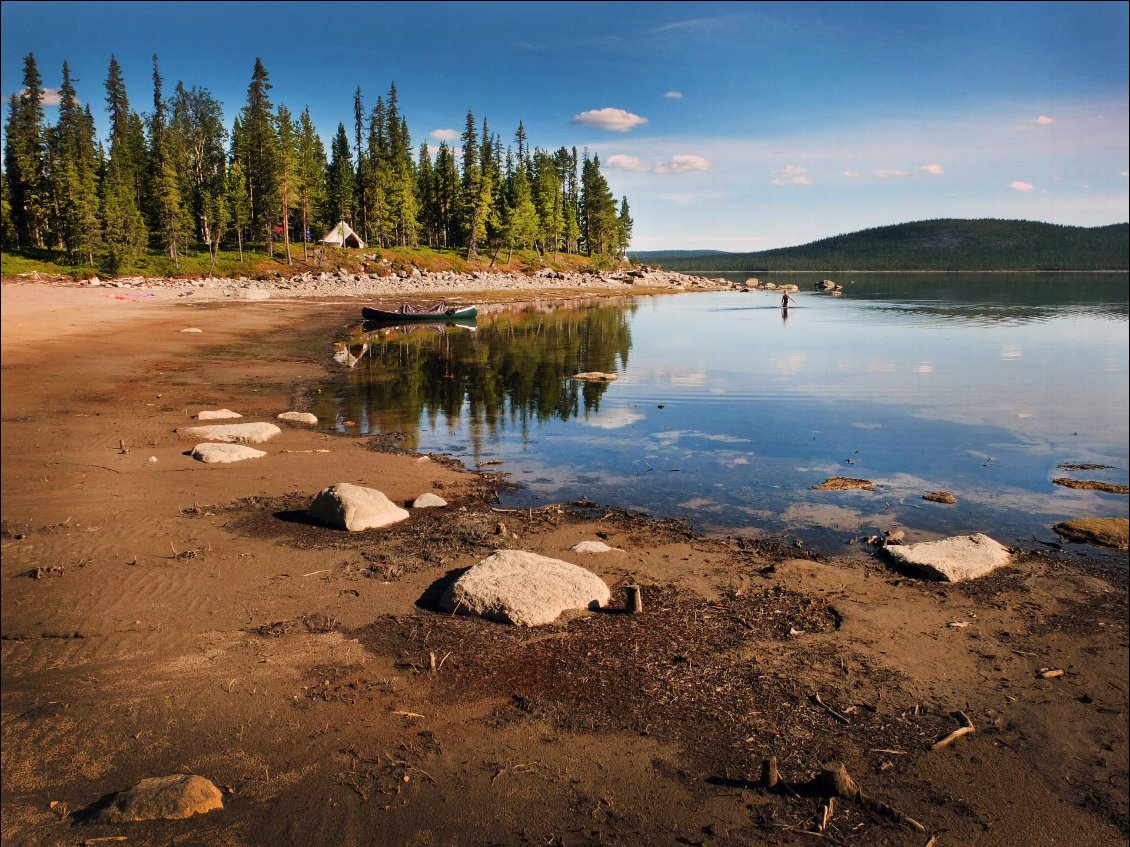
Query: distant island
{"points": [[938, 245]]}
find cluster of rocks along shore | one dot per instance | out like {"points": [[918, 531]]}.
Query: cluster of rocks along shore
{"points": [[343, 283]]}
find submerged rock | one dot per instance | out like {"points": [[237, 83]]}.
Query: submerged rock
{"points": [[951, 559], [940, 497], [1092, 485], [250, 433], [844, 483], [225, 454], [594, 376], [523, 588], [298, 417], [353, 507], [1105, 532], [163, 798]]}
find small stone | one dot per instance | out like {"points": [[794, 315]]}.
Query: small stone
{"points": [[594, 376], [591, 547], [940, 497], [152, 460], [428, 501]]}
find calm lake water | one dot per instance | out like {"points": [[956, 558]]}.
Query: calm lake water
{"points": [[727, 411]]}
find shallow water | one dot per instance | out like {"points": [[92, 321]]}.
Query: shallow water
{"points": [[726, 411]]}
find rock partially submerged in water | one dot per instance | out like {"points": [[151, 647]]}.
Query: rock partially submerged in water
{"points": [[299, 417], [353, 508], [844, 483], [1091, 485], [225, 454], [594, 376], [940, 497], [249, 433], [163, 798], [951, 559], [1105, 532], [523, 588]]}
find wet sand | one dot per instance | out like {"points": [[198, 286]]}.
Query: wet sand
{"points": [[173, 617]]}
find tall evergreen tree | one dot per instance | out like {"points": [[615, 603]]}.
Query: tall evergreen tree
{"points": [[124, 233], [599, 222], [426, 217], [361, 173], [288, 166], [25, 159], [236, 199], [340, 200], [448, 202], [310, 176], [378, 178], [624, 231], [258, 145], [74, 172], [169, 214]]}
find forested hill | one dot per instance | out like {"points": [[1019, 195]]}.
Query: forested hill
{"points": [[940, 245]]}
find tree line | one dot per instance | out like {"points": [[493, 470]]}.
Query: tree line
{"points": [[175, 179]]}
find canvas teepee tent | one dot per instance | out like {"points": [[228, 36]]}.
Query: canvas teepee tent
{"points": [[342, 235]]}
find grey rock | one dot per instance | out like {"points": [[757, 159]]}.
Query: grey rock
{"points": [[225, 454], [951, 559], [353, 508], [523, 588]]}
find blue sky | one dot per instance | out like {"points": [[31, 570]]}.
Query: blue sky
{"points": [[731, 126]]}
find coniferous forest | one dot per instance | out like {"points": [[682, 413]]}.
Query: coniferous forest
{"points": [[175, 179]]}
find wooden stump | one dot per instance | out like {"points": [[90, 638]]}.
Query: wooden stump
{"points": [[633, 603], [834, 781], [769, 773]]}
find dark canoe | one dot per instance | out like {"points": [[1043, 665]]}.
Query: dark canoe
{"points": [[452, 313]]}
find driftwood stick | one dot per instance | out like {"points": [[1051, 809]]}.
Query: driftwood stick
{"points": [[770, 776], [966, 728], [815, 698]]}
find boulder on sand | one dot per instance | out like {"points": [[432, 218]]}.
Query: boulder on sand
{"points": [[298, 417], [163, 798], [249, 433], [518, 587], [428, 501], [951, 559], [353, 507], [224, 454], [217, 415]]}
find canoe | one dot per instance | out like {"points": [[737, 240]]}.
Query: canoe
{"points": [[405, 314]]}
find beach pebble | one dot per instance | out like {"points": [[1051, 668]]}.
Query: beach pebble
{"points": [[217, 415], [523, 588], [951, 559], [428, 500], [152, 460], [298, 417], [163, 798], [192, 329], [224, 454], [249, 433], [591, 547], [353, 507]]}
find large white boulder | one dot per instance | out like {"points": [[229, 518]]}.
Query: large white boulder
{"points": [[518, 587], [428, 500], [225, 454], [248, 433], [353, 507], [951, 559]]}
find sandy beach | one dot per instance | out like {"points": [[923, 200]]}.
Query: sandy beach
{"points": [[164, 616]]}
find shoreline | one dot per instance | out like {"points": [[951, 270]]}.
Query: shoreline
{"points": [[178, 616]]}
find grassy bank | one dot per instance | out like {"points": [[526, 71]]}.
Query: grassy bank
{"points": [[257, 264]]}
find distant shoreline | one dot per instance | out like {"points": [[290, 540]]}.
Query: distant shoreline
{"points": [[902, 271]]}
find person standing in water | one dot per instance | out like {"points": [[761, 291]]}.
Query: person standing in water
{"points": [[785, 298]]}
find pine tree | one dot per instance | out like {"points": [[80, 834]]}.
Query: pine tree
{"points": [[378, 178], [522, 218], [288, 166], [167, 203], [124, 233], [339, 180], [546, 192], [599, 222], [25, 159], [236, 199], [448, 201], [258, 143], [74, 172], [624, 231], [426, 216], [8, 236], [361, 173], [311, 176]]}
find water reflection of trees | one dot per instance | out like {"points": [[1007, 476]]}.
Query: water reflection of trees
{"points": [[511, 370]]}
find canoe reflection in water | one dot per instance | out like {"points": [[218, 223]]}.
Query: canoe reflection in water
{"points": [[350, 353]]}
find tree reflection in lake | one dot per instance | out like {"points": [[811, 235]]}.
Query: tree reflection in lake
{"points": [[506, 369]]}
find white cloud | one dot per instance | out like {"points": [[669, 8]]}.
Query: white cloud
{"points": [[50, 96], [931, 169], [890, 173], [792, 175], [673, 95], [1124, 173], [614, 419], [444, 134], [1044, 120], [677, 164], [1017, 185], [851, 174], [614, 120]]}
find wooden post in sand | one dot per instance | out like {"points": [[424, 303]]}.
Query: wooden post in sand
{"points": [[633, 603]]}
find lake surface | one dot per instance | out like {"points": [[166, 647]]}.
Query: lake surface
{"points": [[726, 411]]}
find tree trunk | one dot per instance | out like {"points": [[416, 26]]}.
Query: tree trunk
{"points": [[239, 241]]}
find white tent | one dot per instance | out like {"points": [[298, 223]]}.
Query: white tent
{"points": [[342, 235]]}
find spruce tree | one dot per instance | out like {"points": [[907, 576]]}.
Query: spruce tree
{"points": [[25, 159], [258, 142], [124, 233], [74, 173], [288, 166], [311, 176], [624, 230], [448, 201], [339, 180], [167, 203], [236, 199]]}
